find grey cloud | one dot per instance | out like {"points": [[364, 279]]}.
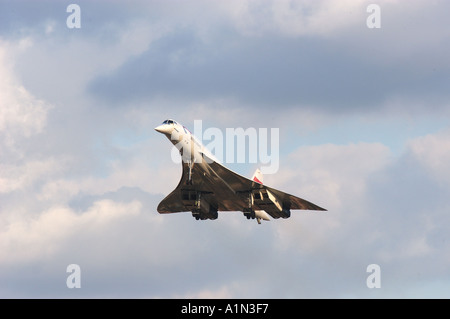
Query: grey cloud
{"points": [[269, 72], [101, 19], [358, 70], [17, 15]]}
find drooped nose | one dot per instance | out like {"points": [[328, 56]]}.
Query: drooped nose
{"points": [[164, 129]]}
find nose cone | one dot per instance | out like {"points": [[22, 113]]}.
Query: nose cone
{"points": [[164, 129]]}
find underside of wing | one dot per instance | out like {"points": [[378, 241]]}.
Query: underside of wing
{"points": [[263, 196], [173, 203], [294, 202], [206, 188]]}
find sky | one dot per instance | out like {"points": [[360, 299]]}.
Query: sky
{"points": [[363, 117]]}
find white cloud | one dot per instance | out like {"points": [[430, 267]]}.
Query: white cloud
{"points": [[21, 113], [331, 171], [433, 152], [154, 175], [334, 177], [220, 293], [25, 239], [19, 176]]}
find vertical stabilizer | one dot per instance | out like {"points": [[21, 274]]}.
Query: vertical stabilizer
{"points": [[258, 176]]}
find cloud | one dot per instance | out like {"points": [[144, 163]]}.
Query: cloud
{"points": [[285, 73], [222, 293], [272, 70], [21, 113], [27, 239], [433, 152], [406, 208], [293, 18], [21, 176], [335, 177]]}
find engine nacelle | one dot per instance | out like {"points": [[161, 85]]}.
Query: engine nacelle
{"points": [[198, 205], [285, 213], [202, 215], [259, 214], [263, 198], [249, 213]]}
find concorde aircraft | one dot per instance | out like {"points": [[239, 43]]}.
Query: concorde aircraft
{"points": [[207, 187]]}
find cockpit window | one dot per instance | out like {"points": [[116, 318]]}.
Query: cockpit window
{"points": [[169, 122]]}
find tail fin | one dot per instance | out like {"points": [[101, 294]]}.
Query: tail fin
{"points": [[258, 176]]}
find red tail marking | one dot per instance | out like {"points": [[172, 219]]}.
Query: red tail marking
{"points": [[256, 180]]}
